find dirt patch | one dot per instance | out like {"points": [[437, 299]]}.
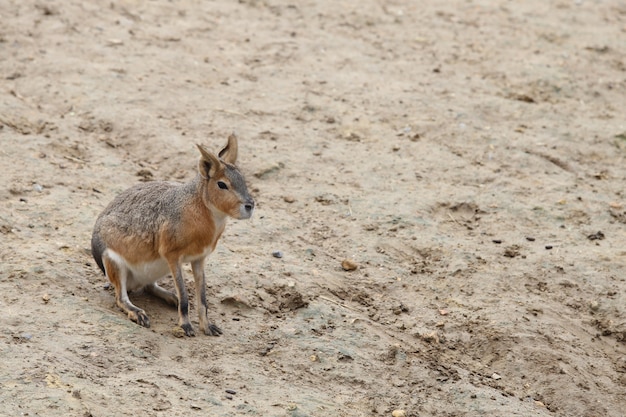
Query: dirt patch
{"points": [[467, 158]]}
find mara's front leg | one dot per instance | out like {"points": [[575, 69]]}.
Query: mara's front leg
{"points": [[203, 310], [183, 299]]}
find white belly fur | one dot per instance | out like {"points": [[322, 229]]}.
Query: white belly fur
{"points": [[140, 275]]}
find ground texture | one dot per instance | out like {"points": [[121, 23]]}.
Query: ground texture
{"points": [[469, 157]]}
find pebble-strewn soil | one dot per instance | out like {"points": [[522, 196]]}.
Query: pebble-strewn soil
{"points": [[468, 157]]}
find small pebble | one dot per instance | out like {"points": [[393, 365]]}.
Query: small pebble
{"points": [[496, 376], [26, 336], [45, 298], [178, 331], [349, 265], [38, 188], [530, 238], [277, 254], [498, 241], [548, 247], [398, 413], [231, 391], [289, 199]]}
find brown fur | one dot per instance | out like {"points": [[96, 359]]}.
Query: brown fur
{"points": [[150, 229]]}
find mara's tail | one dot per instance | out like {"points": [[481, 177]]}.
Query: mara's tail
{"points": [[97, 249]]}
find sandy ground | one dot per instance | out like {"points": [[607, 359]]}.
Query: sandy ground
{"points": [[468, 156]]}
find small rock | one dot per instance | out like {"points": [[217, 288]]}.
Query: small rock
{"points": [[594, 305], [38, 188], [512, 251], [496, 376], [26, 336], [349, 265], [269, 170], [178, 331], [398, 413], [431, 337], [277, 254], [596, 236], [231, 391], [236, 301], [45, 298], [289, 199]]}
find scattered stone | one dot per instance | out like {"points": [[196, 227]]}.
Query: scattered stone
{"points": [[431, 337], [443, 312], [277, 254], [349, 265], [178, 331], [594, 305], [268, 171], [45, 298], [496, 376], [530, 238], [512, 251], [548, 247], [289, 199], [145, 174], [596, 236], [231, 391], [327, 199], [497, 241], [398, 413], [236, 301]]}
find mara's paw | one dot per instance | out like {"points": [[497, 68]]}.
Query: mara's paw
{"points": [[188, 329], [139, 317], [212, 330]]}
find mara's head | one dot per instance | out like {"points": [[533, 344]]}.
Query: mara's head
{"points": [[224, 187]]}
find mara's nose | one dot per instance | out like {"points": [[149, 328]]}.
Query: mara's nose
{"points": [[249, 206]]}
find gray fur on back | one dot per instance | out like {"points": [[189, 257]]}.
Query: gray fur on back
{"points": [[141, 209]]}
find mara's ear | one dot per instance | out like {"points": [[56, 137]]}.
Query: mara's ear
{"points": [[229, 153], [209, 164]]}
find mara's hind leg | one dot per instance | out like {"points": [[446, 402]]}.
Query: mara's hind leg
{"points": [[118, 275], [160, 292]]}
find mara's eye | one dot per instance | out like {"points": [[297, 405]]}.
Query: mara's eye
{"points": [[222, 185]]}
